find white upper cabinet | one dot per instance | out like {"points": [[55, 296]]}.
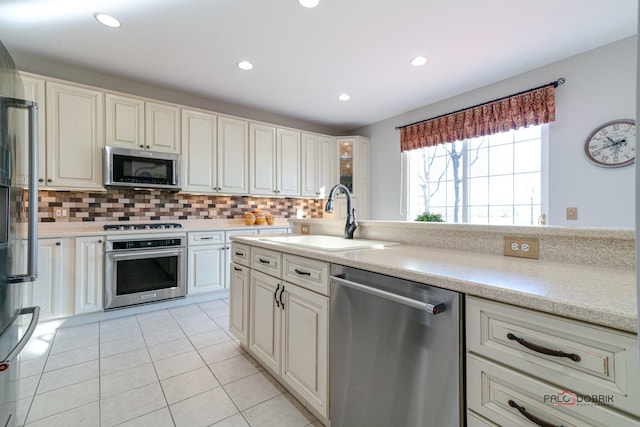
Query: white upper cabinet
{"points": [[139, 125], [75, 136], [199, 152], [288, 163], [262, 149], [124, 118], [233, 152], [162, 124], [274, 161], [318, 165], [34, 90]]}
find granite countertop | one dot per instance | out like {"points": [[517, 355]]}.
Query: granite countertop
{"points": [[78, 229], [599, 295]]}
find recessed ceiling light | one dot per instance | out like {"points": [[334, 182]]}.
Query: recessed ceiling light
{"points": [[419, 60], [107, 20], [344, 97], [309, 3], [245, 65]]}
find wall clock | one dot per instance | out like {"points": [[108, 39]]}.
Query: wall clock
{"points": [[612, 144]]}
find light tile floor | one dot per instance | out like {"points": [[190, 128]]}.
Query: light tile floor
{"points": [[172, 367]]}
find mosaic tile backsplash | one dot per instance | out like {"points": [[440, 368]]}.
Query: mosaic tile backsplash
{"points": [[136, 205]]}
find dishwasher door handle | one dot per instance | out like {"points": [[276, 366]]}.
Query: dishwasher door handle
{"points": [[420, 305]]}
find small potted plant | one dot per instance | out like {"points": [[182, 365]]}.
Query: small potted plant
{"points": [[429, 217]]}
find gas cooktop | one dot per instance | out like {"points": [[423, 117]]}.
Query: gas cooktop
{"points": [[152, 226]]}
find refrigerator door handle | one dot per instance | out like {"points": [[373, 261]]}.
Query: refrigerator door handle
{"points": [[32, 225], [35, 312]]}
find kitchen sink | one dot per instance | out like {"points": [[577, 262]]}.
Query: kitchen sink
{"points": [[328, 243]]}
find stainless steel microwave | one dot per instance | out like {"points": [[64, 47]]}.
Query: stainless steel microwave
{"points": [[142, 169]]}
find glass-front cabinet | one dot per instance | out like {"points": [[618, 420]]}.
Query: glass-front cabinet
{"points": [[346, 163], [354, 160]]}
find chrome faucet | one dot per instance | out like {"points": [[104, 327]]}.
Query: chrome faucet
{"points": [[351, 224]]}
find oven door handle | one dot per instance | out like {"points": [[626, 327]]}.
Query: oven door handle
{"points": [[139, 254]]}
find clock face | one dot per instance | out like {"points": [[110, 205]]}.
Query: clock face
{"points": [[613, 144]]}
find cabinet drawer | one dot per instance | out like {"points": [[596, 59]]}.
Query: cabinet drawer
{"points": [[307, 273], [267, 261], [475, 420], [493, 390], [206, 238], [240, 254], [605, 359]]}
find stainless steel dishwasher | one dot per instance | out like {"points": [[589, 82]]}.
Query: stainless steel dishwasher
{"points": [[395, 352]]}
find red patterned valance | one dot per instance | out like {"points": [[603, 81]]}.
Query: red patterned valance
{"points": [[533, 107]]}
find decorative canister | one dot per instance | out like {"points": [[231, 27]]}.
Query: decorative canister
{"points": [[269, 218], [249, 218], [260, 218]]}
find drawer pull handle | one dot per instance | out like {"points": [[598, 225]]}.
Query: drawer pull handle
{"points": [[207, 238], [302, 273], [264, 261], [237, 268], [543, 350], [532, 418], [239, 253], [282, 292]]}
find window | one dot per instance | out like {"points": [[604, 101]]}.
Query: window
{"points": [[494, 179]]}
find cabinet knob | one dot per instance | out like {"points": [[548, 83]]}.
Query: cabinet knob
{"points": [[49, 180], [58, 243], [148, 146], [141, 146], [41, 180], [100, 241]]}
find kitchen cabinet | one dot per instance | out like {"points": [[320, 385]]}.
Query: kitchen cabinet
{"points": [[288, 323], [514, 367], [274, 161], [34, 90], [318, 165], [206, 262], [52, 291], [199, 152], [140, 124], [228, 254], [354, 160], [75, 137], [233, 155], [89, 267]]}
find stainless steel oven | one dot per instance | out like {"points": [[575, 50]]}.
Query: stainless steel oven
{"points": [[144, 268]]}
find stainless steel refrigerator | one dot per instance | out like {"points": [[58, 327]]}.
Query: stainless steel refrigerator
{"points": [[18, 139]]}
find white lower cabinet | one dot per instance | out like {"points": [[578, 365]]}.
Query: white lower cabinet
{"points": [[52, 291], [89, 274], [206, 262], [525, 367], [239, 302], [288, 325]]}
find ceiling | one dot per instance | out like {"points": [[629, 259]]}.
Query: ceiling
{"points": [[305, 58]]}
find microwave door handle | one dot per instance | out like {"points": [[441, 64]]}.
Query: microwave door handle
{"points": [[32, 215]]}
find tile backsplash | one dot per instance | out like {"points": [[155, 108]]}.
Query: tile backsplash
{"points": [[137, 205]]}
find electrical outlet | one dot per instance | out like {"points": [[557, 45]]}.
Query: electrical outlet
{"points": [[304, 229], [524, 247], [60, 212], [213, 213], [572, 213]]}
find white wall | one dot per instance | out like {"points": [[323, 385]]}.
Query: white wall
{"points": [[600, 86]]}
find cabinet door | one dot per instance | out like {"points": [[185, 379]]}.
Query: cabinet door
{"points": [[124, 122], [199, 152], [162, 123], [288, 162], [327, 171], [33, 91], [233, 155], [46, 290], [265, 318], [310, 165], [262, 149], [239, 302], [305, 342], [89, 274], [206, 269], [362, 183], [75, 136]]}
